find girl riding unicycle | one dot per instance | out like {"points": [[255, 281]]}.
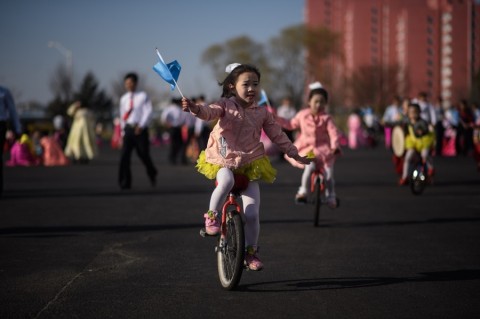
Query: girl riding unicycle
{"points": [[320, 135], [234, 147], [419, 141]]}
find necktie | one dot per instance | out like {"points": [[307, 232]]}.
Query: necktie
{"points": [[130, 109]]}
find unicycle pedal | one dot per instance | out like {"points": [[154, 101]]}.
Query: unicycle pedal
{"points": [[204, 233]]}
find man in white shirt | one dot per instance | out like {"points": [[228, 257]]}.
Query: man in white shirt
{"points": [[135, 113], [427, 111]]}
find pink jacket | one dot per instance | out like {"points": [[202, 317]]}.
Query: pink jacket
{"points": [[235, 139], [318, 133]]}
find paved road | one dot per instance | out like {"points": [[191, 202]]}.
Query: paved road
{"points": [[74, 246]]}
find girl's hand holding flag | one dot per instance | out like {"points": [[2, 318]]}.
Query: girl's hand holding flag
{"points": [[188, 105]]}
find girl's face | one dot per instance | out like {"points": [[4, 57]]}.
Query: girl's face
{"points": [[247, 88], [413, 114], [317, 104]]}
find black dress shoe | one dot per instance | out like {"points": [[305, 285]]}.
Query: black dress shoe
{"points": [[153, 180]]}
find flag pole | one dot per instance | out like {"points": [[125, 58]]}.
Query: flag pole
{"points": [[176, 85]]}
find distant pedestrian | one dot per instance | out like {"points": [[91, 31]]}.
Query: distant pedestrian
{"points": [[202, 128], [476, 134], [23, 153], [116, 141], [81, 143], [60, 128], [174, 118], [287, 111], [391, 117], [8, 112], [467, 120], [357, 137], [135, 115]]}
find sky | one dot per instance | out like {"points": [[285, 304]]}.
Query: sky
{"points": [[111, 38]]}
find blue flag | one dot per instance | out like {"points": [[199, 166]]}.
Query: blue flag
{"points": [[263, 98], [169, 72]]}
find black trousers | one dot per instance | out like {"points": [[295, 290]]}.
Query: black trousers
{"points": [[177, 146], [3, 131], [141, 144]]}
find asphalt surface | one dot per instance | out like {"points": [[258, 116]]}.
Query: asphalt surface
{"points": [[73, 245]]}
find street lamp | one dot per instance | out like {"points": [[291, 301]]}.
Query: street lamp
{"points": [[68, 55]]}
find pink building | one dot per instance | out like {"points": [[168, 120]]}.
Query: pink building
{"points": [[415, 45]]}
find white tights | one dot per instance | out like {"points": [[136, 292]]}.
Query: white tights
{"points": [[329, 181], [250, 200], [410, 155]]}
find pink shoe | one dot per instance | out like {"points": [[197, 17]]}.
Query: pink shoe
{"points": [[212, 223], [332, 202], [251, 259]]}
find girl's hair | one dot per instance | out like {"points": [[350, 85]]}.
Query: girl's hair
{"points": [[415, 106], [320, 91], [232, 78]]}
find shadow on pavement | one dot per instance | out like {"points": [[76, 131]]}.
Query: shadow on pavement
{"points": [[358, 282]]}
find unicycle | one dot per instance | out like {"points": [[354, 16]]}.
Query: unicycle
{"points": [[317, 186], [418, 178], [230, 249], [317, 194]]}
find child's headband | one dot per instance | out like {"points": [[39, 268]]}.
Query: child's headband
{"points": [[315, 85], [231, 67]]}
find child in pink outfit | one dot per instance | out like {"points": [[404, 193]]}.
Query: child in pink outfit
{"points": [[22, 153], [234, 147], [319, 134]]}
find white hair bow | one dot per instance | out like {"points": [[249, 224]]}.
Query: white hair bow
{"points": [[231, 67], [315, 85]]}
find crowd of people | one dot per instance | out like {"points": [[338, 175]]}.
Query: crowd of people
{"points": [[66, 144]]}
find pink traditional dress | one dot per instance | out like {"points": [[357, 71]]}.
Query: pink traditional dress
{"points": [[52, 152], [22, 154], [356, 134]]}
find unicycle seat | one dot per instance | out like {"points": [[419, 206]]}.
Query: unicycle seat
{"points": [[240, 184]]}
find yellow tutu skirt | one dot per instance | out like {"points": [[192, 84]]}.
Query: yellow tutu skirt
{"points": [[256, 170], [419, 143]]}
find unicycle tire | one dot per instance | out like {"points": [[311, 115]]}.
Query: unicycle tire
{"points": [[418, 181], [317, 204], [231, 252]]}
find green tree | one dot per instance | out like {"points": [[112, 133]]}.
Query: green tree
{"points": [[288, 63], [94, 98], [241, 50], [61, 87], [282, 61], [374, 85]]}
